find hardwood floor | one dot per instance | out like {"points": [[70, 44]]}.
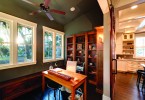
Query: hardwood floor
{"points": [[125, 87]]}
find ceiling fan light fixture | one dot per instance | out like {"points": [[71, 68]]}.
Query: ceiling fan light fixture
{"points": [[134, 7], [72, 9]]}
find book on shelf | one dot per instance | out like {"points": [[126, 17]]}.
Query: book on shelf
{"points": [[79, 46]]}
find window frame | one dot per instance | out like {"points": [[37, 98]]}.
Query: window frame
{"points": [[54, 32], [142, 35], [13, 40]]}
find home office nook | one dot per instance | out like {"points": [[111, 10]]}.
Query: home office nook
{"points": [[46, 36]]}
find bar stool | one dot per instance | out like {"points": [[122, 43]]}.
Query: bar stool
{"points": [[55, 87], [143, 84], [139, 74]]}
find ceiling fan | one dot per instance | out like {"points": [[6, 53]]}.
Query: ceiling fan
{"points": [[44, 7]]}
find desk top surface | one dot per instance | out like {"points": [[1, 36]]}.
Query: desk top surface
{"points": [[76, 77]]}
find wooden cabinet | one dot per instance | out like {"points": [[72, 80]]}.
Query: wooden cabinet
{"points": [[128, 47], [88, 52], [129, 65], [128, 36], [16, 87], [92, 57], [80, 54], [121, 66], [70, 48]]}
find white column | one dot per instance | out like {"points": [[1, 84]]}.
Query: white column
{"points": [[106, 59]]}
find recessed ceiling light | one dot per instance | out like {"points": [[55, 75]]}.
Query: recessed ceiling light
{"points": [[72, 9], [133, 7]]}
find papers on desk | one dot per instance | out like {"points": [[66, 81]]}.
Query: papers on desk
{"points": [[57, 69], [142, 65]]}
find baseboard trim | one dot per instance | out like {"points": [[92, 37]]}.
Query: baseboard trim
{"points": [[106, 97]]}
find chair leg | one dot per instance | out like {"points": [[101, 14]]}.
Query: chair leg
{"points": [[54, 94], [143, 84], [59, 94], [138, 80]]}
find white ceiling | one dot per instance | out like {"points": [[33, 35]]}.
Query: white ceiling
{"points": [[131, 19]]}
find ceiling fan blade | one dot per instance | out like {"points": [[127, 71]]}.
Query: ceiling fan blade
{"points": [[49, 16], [46, 3], [29, 2], [57, 11], [35, 12]]}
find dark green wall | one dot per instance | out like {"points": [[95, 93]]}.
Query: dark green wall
{"points": [[88, 21], [20, 11], [79, 25], [84, 23]]}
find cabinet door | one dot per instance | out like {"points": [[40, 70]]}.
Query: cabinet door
{"points": [[131, 37], [125, 36], [119, 65], [123, 68], [128, 36]]}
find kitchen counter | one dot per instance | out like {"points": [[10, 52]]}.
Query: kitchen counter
{"points": [[129, 65], [130, 60]]}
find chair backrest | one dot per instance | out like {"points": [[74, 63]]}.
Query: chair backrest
{"points": [[71, 66]]}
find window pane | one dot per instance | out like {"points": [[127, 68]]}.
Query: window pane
{"points": [[139, 52], [4, 42], [58, 45], [48, 52], [48, 42], [4, 53], [24, 53], [58, 52], [25, 41], [4, 32], [58, 40], [139, 41], [24, 34]]}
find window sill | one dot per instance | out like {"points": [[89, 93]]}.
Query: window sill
{"points": [[7, 66], [52, 60]]}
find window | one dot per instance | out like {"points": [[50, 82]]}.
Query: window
{"points": [[25, 44], [17, 42], [58, 46], [4, 42], [53, 44], [140, 45], [48, 44]]}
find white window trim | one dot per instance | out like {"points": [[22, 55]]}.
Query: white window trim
{"points": [[46, 29], [13, 37], [138, 36]]}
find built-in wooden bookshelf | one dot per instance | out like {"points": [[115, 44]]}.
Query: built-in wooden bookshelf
{"points": [[87, 49], [92, 54], [70, 48]]}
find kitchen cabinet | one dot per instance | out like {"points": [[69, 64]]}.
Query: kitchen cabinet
{"points": [[128, 36], [121, 66], [129, 65]]}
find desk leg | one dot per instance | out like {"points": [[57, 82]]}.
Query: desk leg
{"points": [[73, 94], [43, 83], [85, 90]]}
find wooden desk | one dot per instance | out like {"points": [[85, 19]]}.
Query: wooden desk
{"points": [[72, 85]]}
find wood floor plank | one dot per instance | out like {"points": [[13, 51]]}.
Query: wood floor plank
{"points": [[125, 87]]}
